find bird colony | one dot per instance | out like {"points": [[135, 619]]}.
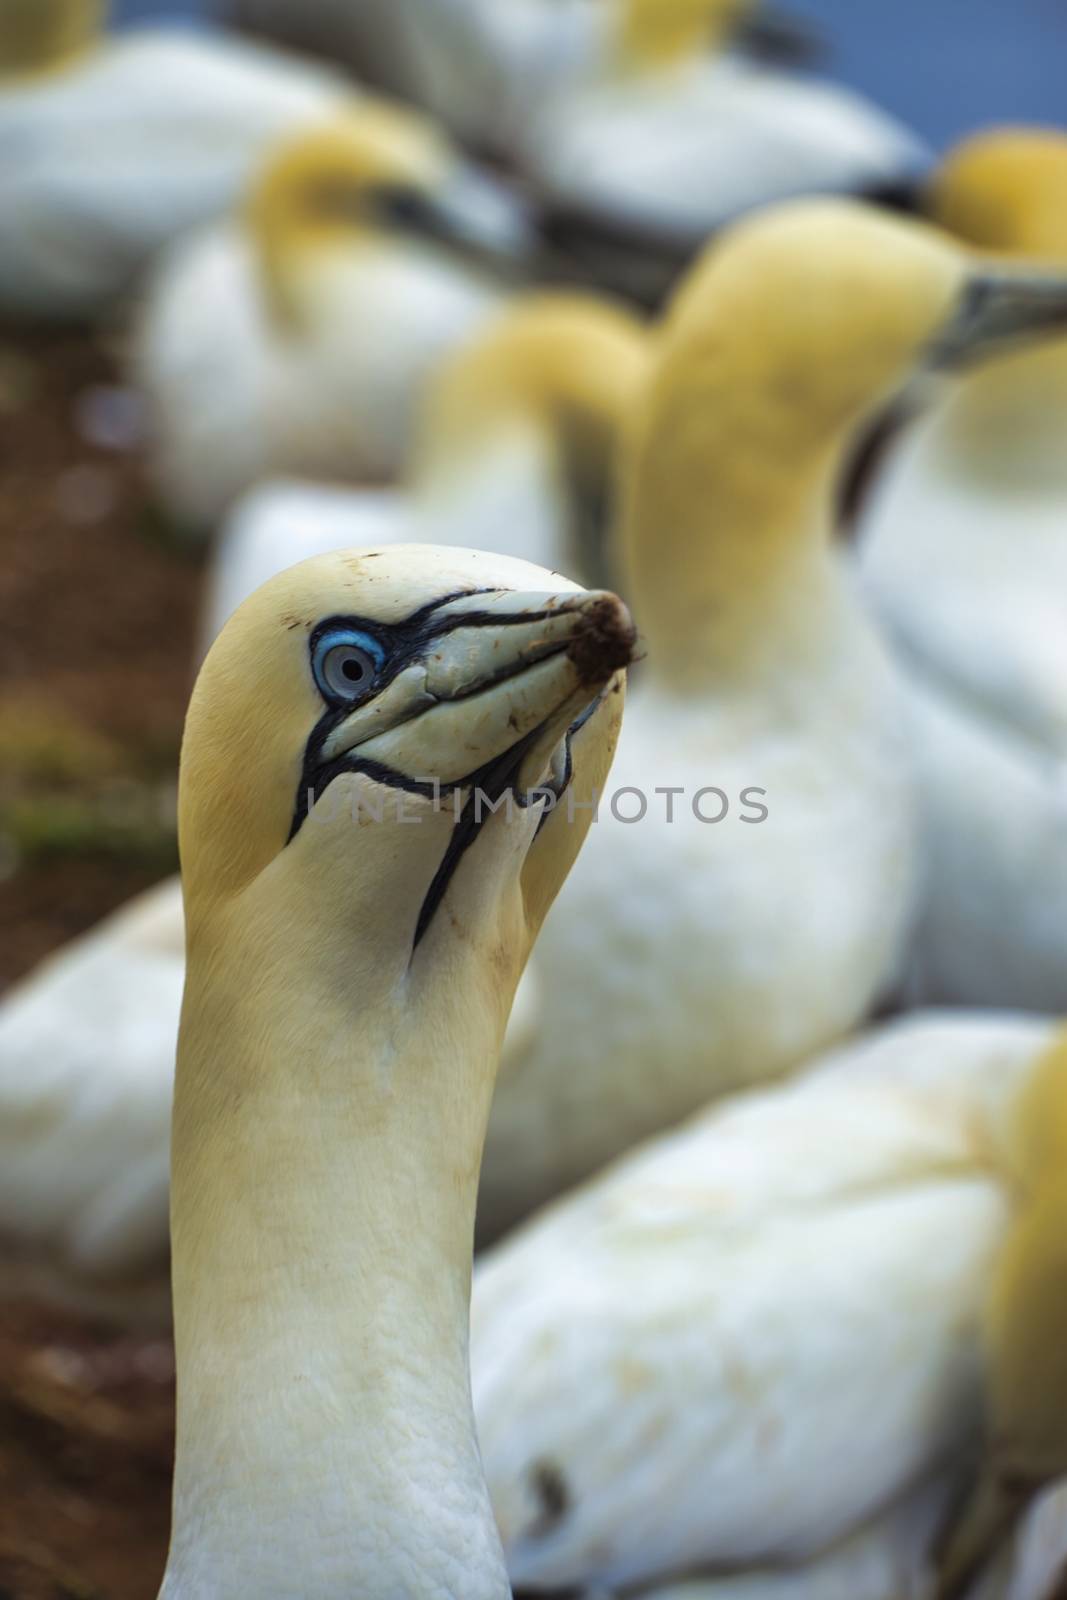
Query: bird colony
{"points": [[587, 1151]]}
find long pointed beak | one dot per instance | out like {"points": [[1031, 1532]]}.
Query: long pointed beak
{"points": [[500, 673], [1000, 311], [481, 218]]}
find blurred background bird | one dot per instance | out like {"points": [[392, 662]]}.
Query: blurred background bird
{"points": [[620, 287], [295, 337], [792, 332], [963, 553], [115, 146], [783, 1306]]}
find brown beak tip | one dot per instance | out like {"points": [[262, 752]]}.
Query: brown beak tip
{"points": [[606, 642]]}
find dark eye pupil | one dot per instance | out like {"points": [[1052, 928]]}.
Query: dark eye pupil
{"points": [[345, 669]]}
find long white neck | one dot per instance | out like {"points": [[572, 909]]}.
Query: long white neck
{"points": [[324, 1184]]}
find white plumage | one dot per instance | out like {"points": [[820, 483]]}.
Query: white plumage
{"points": [[86, 1074], [235, 402], [296, 337], [746, 1341], [963, 554], [690, 958], [111, 157], [679, 153]]}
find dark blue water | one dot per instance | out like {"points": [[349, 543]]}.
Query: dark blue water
{"points": [[944, 66]]}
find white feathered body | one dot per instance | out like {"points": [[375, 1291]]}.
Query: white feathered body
{"points": [[964, 554], [686, 959], [109, 160], [86, 1074], [237, 397], [482, 67], [685, 151], [750, 1338]]}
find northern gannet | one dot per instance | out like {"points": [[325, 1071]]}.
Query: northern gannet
{"points": [[752, 876], [964, 554], [518, 443], [765, 1347], [296, 337], [355, 936], [663, 142], [113, 147]]}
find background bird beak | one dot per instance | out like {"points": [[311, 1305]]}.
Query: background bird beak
{"points": [[506, 671], [998, 311], [780, 39], [480, 217]]}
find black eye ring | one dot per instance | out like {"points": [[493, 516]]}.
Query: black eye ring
{"points": [[346, 663]]}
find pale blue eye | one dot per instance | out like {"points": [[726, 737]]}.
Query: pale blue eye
{"points": [[346, 661]]}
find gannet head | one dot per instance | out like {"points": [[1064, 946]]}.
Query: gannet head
{"points": [[820, 310], [1006, 191], [36, 35], [395, 734], [791, 332], [376, 170]]}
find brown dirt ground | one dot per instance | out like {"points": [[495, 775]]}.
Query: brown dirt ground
{"points": [[97, 615]]}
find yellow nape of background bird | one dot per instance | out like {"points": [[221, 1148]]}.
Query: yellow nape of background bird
{"points": [[1005, 189], [962, 552], [297, 336], [42, 35], [123, 143], [665, 32], [329, 964]]}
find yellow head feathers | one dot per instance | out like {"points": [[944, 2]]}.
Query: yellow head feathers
{"points": [[792, 330], [788, 333], [36, 35], [1005, 191], [661, 33], [376, 673], [326, 177], [571, 363], [818, 309], [337, 180]]}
